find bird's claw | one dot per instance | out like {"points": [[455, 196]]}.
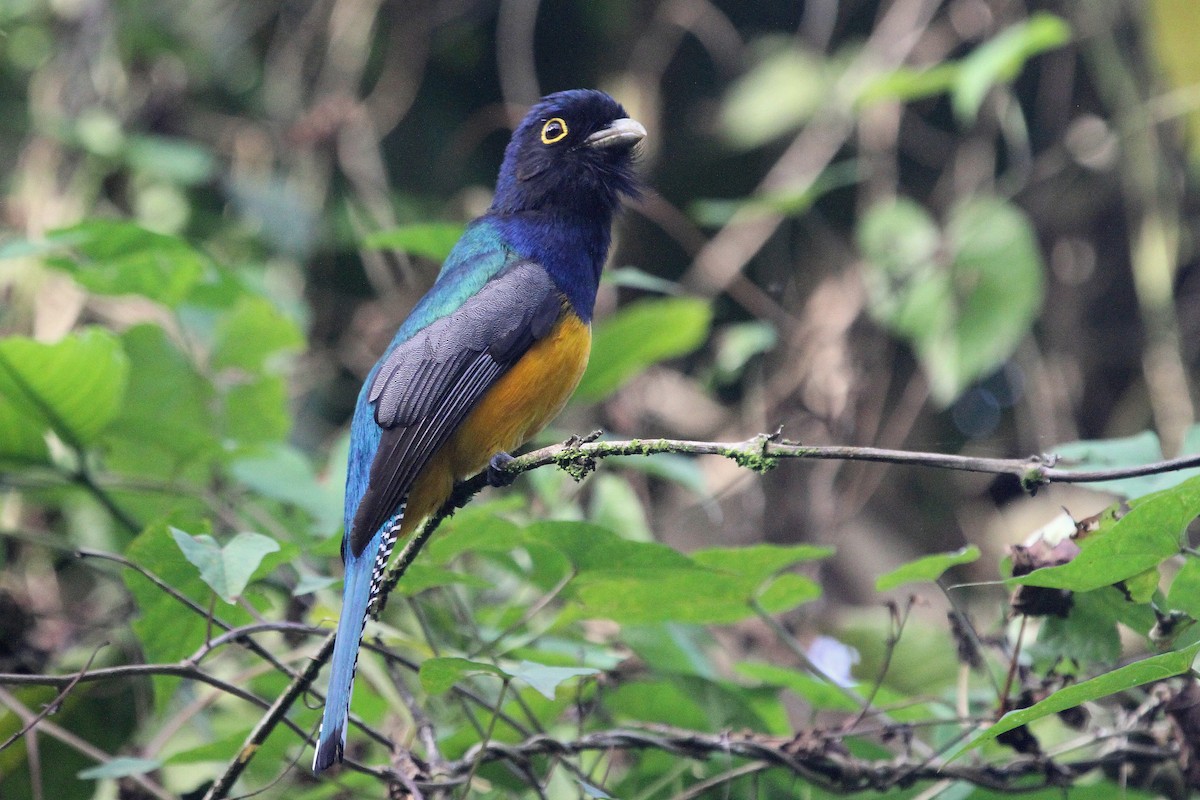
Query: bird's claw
{"points": [[497, 475]]}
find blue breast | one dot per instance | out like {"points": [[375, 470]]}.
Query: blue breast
{"points": [[572, 248]]}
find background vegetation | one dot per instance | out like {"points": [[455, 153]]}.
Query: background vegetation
{"points": [[965, 227]]}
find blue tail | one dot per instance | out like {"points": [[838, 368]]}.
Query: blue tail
{"points": [[363, 575]]}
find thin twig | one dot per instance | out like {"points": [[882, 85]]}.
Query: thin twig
{"points": [[486, 740], [136, 671], [426, 732], [76, 743], [53, 705], [697, 789], [1002, 704], [968, 630], [785, 638], [275, 714], [898, 621], [527, 616], [84, 478], [373, 646], [242, 637]]}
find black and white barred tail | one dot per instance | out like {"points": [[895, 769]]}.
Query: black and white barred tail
{"points": [[363, 581]]}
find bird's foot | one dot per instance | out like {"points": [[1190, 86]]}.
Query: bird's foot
{"points": [[496, 473]]}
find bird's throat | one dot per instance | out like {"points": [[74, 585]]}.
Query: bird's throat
{"points": [[571, 247]]}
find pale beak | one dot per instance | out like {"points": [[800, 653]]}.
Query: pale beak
{"points": [[624, 131]]}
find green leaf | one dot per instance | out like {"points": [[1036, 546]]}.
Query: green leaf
{"points": [[227, 570], [1184, 593], [21, 440], [283, 473], [569, 651], [647, 595], [615, 505], [685, 595], [1131, 451], [672, 648], [821, 694], [74, 387], [646, 582], [120, 767], [438, 675], [1088, 635], [167, 630], [964, 298], [420, 577], [926, 569], [996, 61], [737, 344], [1140, 540], [641, 334], [910, 83], [185, 162], [117, 257], [1155, 668], [698, 704], [1002, 58], [592, 548], [634, 278], [906, 289], [252, 332], [777, 96], [482, 531], [789, 201], [674, 467], [256, 411], [310, 583], [433, 240], [211, 750], [658, 701], [546, 679], [759, 562], [166, 419], [788, 591]]}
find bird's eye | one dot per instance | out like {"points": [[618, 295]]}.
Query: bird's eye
{"points": [[555, 130]]}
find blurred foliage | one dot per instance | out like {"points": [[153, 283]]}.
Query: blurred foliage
{"points": [[965, 226]]}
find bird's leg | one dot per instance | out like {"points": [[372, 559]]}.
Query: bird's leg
{"points": [[496, 474]]}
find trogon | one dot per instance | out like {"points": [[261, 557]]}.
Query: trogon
{"points": [[488, 356]]}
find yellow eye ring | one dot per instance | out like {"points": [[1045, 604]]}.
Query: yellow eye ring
{"points": [[555, 130]]}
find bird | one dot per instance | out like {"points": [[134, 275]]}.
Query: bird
{"points": [[487, 356]]}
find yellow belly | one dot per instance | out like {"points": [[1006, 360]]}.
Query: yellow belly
{"points": [[519, 405]]}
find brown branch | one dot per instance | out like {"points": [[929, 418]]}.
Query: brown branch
{"points": [[186, 671], [815, 756], [819, 759], [53, 705], [763, 452]]}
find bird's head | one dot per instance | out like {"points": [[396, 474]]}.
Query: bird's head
{"points": [[572, 152]]}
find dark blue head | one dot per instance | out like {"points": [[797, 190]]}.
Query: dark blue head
{"points": [[573, 152]]}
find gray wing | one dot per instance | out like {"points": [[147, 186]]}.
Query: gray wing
{"points": [[425, 388]]}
